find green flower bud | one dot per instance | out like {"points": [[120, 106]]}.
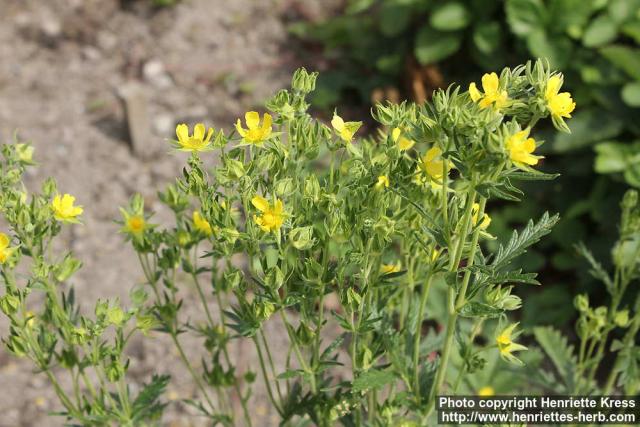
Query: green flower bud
{"points": [[621, 318], [302, 238], [581, 302], [145, 323], [264, 310], [312, 189], [66, 268], [9, 304], [115, 316], [304, 81], [274, 278], [235, 168], [284, 187]]}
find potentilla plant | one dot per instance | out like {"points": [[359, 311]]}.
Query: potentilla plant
{"points": [[295, 213]]}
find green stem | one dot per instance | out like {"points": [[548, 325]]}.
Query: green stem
{"points": [[418, 335], [195, 377], [265, 376], [452, 302]]}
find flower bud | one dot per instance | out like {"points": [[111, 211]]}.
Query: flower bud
{"points": [[302, 237], [581, 302], [9, 304], [621, 318]]}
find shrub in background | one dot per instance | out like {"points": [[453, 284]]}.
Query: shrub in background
{"points": [[593, 42]]}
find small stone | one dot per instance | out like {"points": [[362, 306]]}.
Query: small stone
{"points": [[164, 124], [106, 40], [155, 73], [91, 53]]}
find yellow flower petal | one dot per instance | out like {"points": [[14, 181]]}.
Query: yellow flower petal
{"points": [[182, 132], [337, 123], [252, 118], [198, 131], [474, 92], [260, 203], [4, 241], [240, 129], [490, 83]]}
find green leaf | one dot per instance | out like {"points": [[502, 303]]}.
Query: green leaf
{"points": [[394, 18], [478, 309], [487, 37], [587, 126], [146, 405], [373, 379], [624, 57], [450, 17], [556, 48], [623, 10], [569, 16], [600, 31], [519, 242], [611, 157], [631, 29], [531, 176], [596, 270], [525, 16], [560, 353], [433, 45], [631, 94]]}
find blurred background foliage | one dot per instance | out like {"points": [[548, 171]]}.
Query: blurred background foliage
{"points": [[403, 49]]}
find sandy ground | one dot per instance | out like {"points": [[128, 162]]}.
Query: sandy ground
{"points": [[63, 64]]}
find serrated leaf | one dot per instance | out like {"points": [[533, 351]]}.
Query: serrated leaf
{"points": [[596, 270], [478, 309], [373, 379], [531, 176], [519, 242], [560, 352]]}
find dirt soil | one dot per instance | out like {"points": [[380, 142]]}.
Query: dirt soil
{"points": [[64, 67]]}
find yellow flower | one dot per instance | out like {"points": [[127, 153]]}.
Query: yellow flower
{"points": [[30, 319], [390, 268], [272, 215], [201, 224], [196, 142], [135, 225], [402, 142], [559, 104], [486, 220], [433, 164], [506, 346], [486, 391], [5, 250], [64, 210], [345, 130], [255, 134], [521, 147], [492, 93], [435, 253], [383, 182]]}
